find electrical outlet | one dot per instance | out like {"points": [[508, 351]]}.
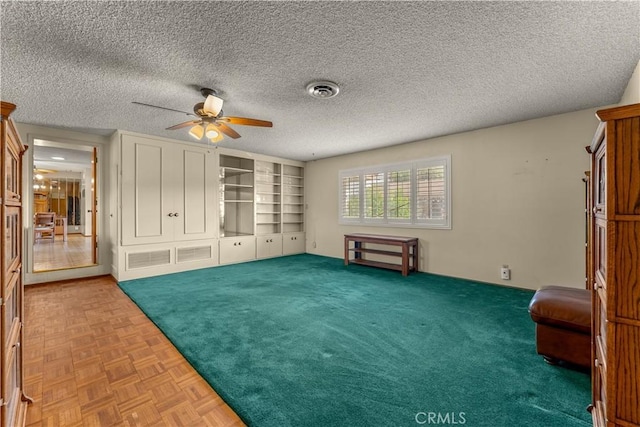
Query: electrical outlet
{"points": [[505, 273], [314, 245]]}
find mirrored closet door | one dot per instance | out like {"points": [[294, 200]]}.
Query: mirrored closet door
{"points": [[64, 200]]}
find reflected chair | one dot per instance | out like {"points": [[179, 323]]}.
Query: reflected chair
{"points": [[45, 226]]}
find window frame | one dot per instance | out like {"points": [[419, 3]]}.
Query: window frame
{"points": [[385, 221]]}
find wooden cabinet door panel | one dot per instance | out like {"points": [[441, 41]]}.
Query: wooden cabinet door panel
{"points": [[627, 406], [13, 153], [600, 253], [627, 270], [600, 181]]}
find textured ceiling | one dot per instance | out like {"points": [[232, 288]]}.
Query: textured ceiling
{"points": [[407, 70]]}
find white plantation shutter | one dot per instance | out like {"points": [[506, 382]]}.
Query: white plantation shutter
{"points": [[350, 197], [414, 194], [432, 193], [374, 195], [399, 195]]}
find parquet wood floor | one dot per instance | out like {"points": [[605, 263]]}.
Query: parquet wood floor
{"points": [[57, 254], [92, 358]]}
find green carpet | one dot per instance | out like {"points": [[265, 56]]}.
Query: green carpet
{"points": [[305, 341]]}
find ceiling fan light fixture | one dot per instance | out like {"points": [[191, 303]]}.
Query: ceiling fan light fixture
{"points": [[211, 131], [216, 138], [197, 131], [213, 105]]}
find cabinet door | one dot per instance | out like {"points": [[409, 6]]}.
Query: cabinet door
{"points": [[148, 188], [293, 243], [193, 210], [13, 152], [12, 242], [269, 246], [167, 192], [600, 182], [237, 249], [600, 253]]}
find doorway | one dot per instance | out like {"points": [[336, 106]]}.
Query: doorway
{"points": [[64, 195]]}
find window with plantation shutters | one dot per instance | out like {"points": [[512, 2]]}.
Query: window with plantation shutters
{"points": [[350, 193], [431, 193], [399, 195], [415, 194], [373, 195]]}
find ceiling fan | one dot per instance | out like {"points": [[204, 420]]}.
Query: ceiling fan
{"points": [[209, 119]]}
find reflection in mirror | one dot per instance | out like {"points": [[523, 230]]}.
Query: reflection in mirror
{"points": [[63, 185]]}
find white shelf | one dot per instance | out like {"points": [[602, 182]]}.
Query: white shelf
{"points": [[237, 185], [230, 171]]}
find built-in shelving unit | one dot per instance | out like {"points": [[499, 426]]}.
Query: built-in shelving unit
{"points": [[293, 199], [185, 206], [236, 196], [268, 198]]}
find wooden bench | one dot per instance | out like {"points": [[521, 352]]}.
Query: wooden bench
{"points": [[408, 253]]}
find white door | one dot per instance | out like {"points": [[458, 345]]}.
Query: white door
{"points": [[148, 172], [194, 201]]}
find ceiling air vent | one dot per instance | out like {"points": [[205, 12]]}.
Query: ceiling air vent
{"points": [[323, 90]]}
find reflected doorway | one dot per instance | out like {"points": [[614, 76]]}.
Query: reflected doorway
{"points": [[64, 183]]}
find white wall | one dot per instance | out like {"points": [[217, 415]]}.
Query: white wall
{"points": [[632, 93], [517, 196]]}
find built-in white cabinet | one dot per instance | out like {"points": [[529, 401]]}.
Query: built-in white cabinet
{"points": [[269, 245], [185, 206], [293, 243], [167, 190], [237, 249]]}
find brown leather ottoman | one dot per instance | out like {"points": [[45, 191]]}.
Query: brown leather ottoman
{"points": [[563, 324]]}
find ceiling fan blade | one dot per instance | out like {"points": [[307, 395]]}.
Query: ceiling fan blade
{"points": [[228, 131], [163, 108], [184, 124], [246, 121]]}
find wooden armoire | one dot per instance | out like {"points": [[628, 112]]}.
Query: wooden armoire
{"points": [[13, 400], [615, 267]]}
